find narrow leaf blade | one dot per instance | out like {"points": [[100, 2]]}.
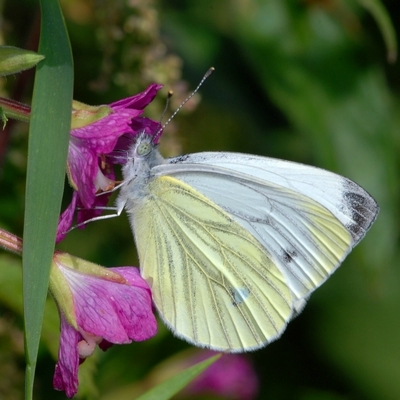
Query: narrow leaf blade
{"points": [[48, 146], [170, 387]]}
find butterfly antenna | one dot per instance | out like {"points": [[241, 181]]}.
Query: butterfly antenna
{"points": [[206, 75], [169, 95]]}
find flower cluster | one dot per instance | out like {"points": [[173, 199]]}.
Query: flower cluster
{"points": [[98, 134], [98, 306]]}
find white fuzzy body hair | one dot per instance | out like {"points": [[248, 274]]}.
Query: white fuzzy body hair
{"points": [[142, 157]]}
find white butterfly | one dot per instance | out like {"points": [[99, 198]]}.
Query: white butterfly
{"points": [[232, 245]]}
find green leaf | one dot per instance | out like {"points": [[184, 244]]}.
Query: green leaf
{"points": [[172, 386], [48, 145], [382, 18]]}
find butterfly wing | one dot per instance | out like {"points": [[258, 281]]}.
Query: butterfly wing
{"points": [[213, 283], [308, 219]]}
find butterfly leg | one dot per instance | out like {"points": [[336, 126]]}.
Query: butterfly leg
{"points": [[114, 189], [118, 211]]}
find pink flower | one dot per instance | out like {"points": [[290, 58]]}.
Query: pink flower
{"points": [[97, 305], [95, 134], [98, 136], [231, 377]]}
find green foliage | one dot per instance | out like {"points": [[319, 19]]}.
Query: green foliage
{"points": [[378, 10], [51, 113], [167, 389]]}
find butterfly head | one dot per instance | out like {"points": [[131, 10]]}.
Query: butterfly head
{"points": [[143, 155], [142, 146], [143, 149]]}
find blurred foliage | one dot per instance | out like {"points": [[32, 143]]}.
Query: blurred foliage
{"points": [[303, 80]]}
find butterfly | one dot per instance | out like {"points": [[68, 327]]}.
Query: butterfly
{"points": [[232, 245]]}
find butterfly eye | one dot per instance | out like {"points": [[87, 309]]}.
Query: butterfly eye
{"points": [[143, 149]]}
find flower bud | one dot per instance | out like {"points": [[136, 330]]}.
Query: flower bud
{"points": [[13, 60]]}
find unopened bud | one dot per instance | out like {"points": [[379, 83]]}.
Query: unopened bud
{"points": [[13, 60]]}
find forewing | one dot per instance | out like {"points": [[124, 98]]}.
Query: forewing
{"points": [[307, 219], [213, 283]]}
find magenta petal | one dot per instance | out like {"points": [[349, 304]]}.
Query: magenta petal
{"points": [[147, 125], [83, 166], [132, 275], [66, 371], [117, 312], [102, 135], [232, 377], [139, 101], [66, 218]]}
